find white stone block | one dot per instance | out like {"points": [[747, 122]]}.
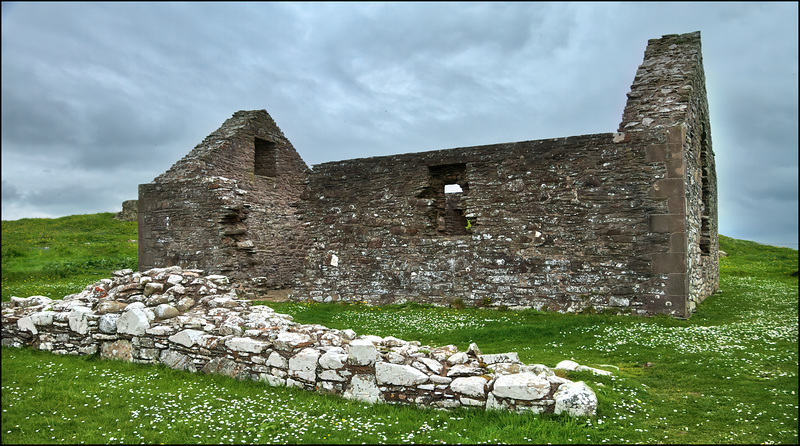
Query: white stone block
{"points": [[399, 375], [160, 330], [432, 364], [78, 320], [470, 402], [273, 380], [362, 352], [391, 341], [218, 279], [619, 301], [363, 388], [42, 318], [175, 279], [304, 364], [522, 386], [396, 358], [186, 338], [108, 323], [292, 383], [576, 399], [134, 322], [333, 359], [464, 370], [330, 375], [372, 338], [511, 357], [458, 358], [177, 360], [493, 403], [245, 345], [567, 365], [288, 341], [276, 360], [26, 324], [165, 311], [135, 305], [440, 379], [583, 368], [176, 289], [473, 386]]}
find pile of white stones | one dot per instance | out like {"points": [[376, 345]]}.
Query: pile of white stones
{"points": [[193, 322]]}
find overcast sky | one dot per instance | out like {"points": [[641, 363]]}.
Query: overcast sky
{"points": [[98, 98]]}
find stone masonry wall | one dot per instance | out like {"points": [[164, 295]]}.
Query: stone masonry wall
{"points": [[193, 322], [229, 206], [669, 93], [557, 224], [625, 222], [129, 212]]}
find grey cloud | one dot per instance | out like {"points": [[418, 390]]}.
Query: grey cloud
{"points": [[126, 89], [10, 192]]}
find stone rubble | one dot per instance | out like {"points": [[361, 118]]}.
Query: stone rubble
{"points": [[193, 322]]}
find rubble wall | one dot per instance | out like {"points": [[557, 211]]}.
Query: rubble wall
{"points": [[560, 224], [622, 221], [669, 93], [229, 206], [189, 321]]}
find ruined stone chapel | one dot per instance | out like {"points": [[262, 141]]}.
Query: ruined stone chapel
{"points": [[625, 221]]}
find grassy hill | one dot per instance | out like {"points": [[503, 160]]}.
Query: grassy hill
{"points": [[60, 256], [729, 374]]}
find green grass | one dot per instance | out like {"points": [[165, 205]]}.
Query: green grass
{"points": [[56, 257], [726, 375], [53, 399]]}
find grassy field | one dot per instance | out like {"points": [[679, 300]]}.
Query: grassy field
{"points": [[726, 375], [56, 257]]}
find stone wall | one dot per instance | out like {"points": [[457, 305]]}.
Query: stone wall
{"points": [[669, 93], [129, 212], [194, 322], [624, 221], [556, 224], [229, 206]]}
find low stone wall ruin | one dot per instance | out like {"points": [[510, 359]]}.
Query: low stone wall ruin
{"points": [[193, 322]]}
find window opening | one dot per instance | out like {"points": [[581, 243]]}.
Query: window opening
{"points": [[266, 158], [448, 188], [452, 189], [705, 212]]}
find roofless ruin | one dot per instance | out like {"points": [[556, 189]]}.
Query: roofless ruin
{"points": [[624, 221]]}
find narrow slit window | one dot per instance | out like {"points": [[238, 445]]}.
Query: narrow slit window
{"points": [[705, 213]]}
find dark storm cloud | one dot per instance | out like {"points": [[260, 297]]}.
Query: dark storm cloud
{"points": [[103, 97]]}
